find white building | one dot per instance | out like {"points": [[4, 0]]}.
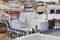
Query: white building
{"points": [[48, 0]]}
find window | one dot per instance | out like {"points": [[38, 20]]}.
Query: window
{"points": [[50, 3], [52, 11], [39, 13], [57, 11]]}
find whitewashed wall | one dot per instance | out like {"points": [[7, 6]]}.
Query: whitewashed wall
{"points": [[38, 36], [49, 16], [48, 0]]}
